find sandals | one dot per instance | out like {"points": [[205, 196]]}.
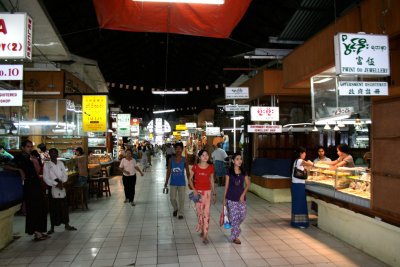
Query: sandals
{"points": [[70, 228], [40, 237], [237, 241], [205, 241], [51, 231]]}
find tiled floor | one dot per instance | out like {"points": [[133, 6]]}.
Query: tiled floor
{"points": [[112, 233]]}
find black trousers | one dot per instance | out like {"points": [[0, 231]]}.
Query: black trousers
{"points": [[129, 186]]}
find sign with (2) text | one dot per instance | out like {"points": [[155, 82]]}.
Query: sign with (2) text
{"points": [[11, 98], [363, 88], [94, 113]]}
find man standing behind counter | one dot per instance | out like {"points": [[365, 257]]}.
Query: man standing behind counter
{"points": [[321, 156]]}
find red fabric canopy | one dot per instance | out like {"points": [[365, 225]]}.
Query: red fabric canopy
{"points": [[191, 19]]}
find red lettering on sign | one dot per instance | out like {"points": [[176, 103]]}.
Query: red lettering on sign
{"points": [[3, 27]]}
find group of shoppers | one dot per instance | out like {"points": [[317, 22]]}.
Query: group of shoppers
{"points": [[201, 181], [299, 216], [54, 175]]}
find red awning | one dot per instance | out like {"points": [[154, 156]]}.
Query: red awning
{"points": [[191, 19]]}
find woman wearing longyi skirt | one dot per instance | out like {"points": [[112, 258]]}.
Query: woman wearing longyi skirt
{"points": [[299, 201], [204, 186]]}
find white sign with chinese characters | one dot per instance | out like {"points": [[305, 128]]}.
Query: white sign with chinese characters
{"points": [[237, 108], [264, 128], [236, 92], [15, 36], [11, 98], [264, 113], [362, 54], [363, 88], [124, 124]]}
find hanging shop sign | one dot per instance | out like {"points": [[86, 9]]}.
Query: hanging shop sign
{"points": [[213, 131], [94, 113], [124, 124], [11, 98], [180, 127], [264, 128], [135, 129], [11, 72], [237, 107], [363, 88], [15, 36], [264, 113], [236, 92], [191, 125], [362, 54]]}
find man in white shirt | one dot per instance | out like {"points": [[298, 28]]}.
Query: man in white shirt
{"points": [[219, 155], [55, 175]]}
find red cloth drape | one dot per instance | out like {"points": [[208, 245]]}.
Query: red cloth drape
{"points": [[191, 19]]}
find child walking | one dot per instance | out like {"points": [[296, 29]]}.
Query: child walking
{"points": [[236, 185]]}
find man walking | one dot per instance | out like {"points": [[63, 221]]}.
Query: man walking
{"points": [[219, 155], [177, 166]]}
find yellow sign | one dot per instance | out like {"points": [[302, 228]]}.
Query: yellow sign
{"points": [[94, 113], [176, 133], [180, 127]]}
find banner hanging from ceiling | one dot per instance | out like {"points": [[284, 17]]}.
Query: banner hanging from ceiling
{"points": [[216, 21]]}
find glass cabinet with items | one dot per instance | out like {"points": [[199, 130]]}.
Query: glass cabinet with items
{"points": [[70, 165], [351, 185]]}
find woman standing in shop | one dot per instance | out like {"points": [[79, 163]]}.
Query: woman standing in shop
{"points": [[345, 159], [128, 167], [204, 187], [236, 186], [299, 201]]}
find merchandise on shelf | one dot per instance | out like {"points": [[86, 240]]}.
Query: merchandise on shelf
{"points": [[355, 182]]}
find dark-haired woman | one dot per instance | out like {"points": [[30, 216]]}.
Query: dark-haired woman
{"points": [[129, 168], [204, 186], [236, 186], [299, 200], [345, 159]]}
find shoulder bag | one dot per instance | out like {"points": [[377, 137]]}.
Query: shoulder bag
{"points": [[299, 174]]}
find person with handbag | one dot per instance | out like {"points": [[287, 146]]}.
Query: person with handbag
{"points": [[299, 200], [55, 175], [204, 173], [237, 184]]}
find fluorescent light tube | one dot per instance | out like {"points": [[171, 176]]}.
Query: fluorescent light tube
{"points": [[169, 92], [163, 111]]}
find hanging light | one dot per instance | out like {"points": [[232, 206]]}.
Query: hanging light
{"points": [[327, 127], [336, 128], [341, 124], [315, 129]]}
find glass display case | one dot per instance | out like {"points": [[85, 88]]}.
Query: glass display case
{"points": [[70, 165], [9, 142], [351, 185]]}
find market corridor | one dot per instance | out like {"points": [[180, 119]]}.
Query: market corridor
{"points": [[113, 233]]}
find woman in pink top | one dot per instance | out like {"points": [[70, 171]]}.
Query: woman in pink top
{"points": [[204, 186]]}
